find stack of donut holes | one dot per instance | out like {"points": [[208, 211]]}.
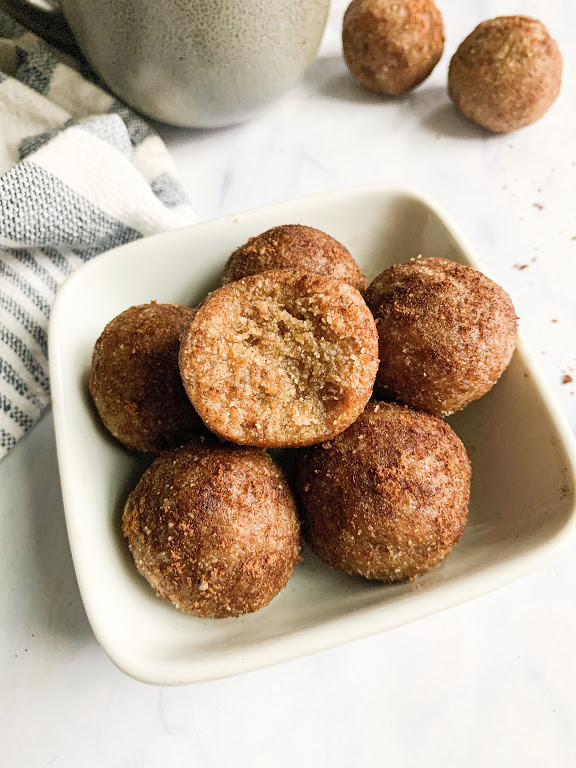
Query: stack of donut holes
{"points": [[293, 352], [505, 75]]}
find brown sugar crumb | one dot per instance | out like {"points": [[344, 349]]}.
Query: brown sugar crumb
{"points": [[567, 379], [520, 267], [280, 359], [554, 320], [539, 206]]}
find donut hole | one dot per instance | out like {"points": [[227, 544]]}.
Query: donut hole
{"points": [[386, 499], [213, 528], [283, 353], [447, 333], [294, 246], [135, 380]]}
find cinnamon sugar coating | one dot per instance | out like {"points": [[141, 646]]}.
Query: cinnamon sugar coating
{"points": [[280, 359], [294, 246], [447, 332], [390, 46], [387, 499], [135, 380], [506, 74], [213, 528]]}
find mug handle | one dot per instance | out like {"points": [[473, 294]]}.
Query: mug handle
{"points": [[48, 23]]}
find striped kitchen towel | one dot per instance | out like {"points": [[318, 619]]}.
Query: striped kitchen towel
{"points": [[80, 173]]}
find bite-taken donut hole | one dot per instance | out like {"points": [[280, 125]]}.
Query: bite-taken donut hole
{"points": [[391, 46], [135, 380], [387, 499], [447, 333], [280, 359], [294, 246], [213, 528], [506, 74]]}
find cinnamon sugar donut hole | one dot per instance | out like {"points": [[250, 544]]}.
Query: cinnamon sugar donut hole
{"points": [[386, 499], [213, 529], [294, 246], [506, 74], [280, 359], [391, 46], [447, 332], [135, 380]]}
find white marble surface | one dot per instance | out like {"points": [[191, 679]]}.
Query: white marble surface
{"points": [[492, 682]]}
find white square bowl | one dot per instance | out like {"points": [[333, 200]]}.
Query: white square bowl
{"points": [[522, 453]]}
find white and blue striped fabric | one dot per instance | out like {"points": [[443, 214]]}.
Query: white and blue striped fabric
{"points": [[80, 173]]}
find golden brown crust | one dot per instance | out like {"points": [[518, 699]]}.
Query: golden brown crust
{"points": [[447, 332], [280, 359], [390, 46], [506, 74], [135, 380], [387, 499], [213, 528], [294, 246]]}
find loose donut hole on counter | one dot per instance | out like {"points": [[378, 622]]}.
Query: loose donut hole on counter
{"points": [[506, 74], [280, 359], [391, 46]]}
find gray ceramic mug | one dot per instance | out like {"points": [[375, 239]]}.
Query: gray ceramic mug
{"points": [[194, 63]]}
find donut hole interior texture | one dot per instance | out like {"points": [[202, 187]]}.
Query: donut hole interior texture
{"points": [[274, 356]]}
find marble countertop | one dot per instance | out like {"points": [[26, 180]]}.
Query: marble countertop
{"points": [[491, 682]]}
